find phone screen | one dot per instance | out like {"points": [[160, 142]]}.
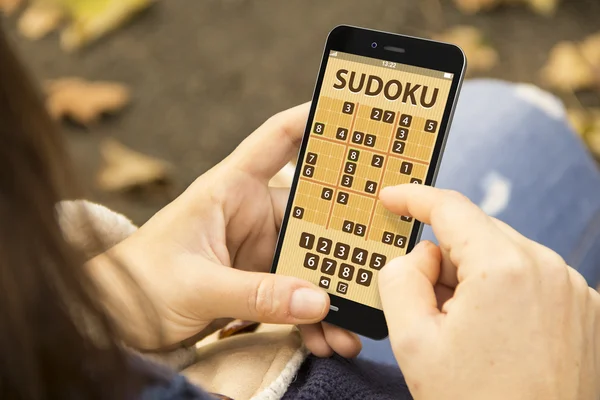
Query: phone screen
{"points": [[376, 124]]}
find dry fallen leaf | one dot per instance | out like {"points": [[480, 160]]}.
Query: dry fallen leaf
{"points": [[543, 7], [567, 69], [237, 327], [586, 123], [579, 120], [475, 6], [83, 101], [91, 20], [125, 169], [9, 6], [480, 56], [590, 49], [39, 19]]}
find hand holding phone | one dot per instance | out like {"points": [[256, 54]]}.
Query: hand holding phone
{"points": [[381, 110]]}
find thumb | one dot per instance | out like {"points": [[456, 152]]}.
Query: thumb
{"points": [[264, 297], [406, 287]]}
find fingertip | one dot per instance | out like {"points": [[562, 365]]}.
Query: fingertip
{"points": [[343, 342], [385, 193], [309, 304], [391, 197], [429, 248], [314, 340]]}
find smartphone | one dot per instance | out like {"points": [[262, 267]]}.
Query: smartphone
{"points": [[380, 115]]}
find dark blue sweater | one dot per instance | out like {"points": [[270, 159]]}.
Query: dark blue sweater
{"points": [[318, 378]]}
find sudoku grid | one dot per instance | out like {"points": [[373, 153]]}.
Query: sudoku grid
{"points": [[338, 234]]}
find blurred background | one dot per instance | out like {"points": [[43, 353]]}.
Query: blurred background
{"points": [[151, 94]]}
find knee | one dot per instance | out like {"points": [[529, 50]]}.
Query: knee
{"points": [[492, 110], [518, 97]]}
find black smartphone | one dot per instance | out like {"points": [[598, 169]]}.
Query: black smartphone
{"points": [[380, 115]]}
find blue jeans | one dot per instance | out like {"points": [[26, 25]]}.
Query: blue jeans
{"points": [[512, 152]]}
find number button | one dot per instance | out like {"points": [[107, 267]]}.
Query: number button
{"points": [[319, 128], [324, 246], [341, 134], [398, 147], [348, 108], [359, 256], [353, 155], [350, 168], [405, 120], [327, 194], [341, 251], [298, 212], [402, 134], [324, 282], [377, 161], [406, 218], [376, 114], [417, 181], [328, 266], [348, 226], [307, 240], [346, 272], [311, 261], [308, 171], [371, 187], [377, 261], [388, 117], [364, 277], [406, 168], [311, 158], [370, 140], [342, 288], [347, 180], [342, 198], [388, 238], [431, 126], [357, 137], [399, 241], [359, 230]]}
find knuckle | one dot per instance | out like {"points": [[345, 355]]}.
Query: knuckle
{"points": [[578, 282], [514, 266], [280, 124], [547, 258], [446, 207], [594, 299], [456, 196], [261, 301]]}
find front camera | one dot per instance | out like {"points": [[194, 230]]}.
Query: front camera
{"points": [[374, 45]]}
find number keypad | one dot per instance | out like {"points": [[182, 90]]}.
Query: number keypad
{"points": [[340, 260]]}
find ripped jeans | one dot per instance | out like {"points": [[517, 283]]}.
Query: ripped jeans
{"points": [[512, 152]]}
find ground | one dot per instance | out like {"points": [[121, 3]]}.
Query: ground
{"points": [[206, 73]]}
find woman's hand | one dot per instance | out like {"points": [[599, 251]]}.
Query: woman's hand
{"points": [[488, 314], [207, 255]]}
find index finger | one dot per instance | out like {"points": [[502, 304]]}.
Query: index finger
{"points": [[273, 144], [463, 230]]}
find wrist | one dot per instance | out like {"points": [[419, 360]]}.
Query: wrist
{"points": [[124, 301]]}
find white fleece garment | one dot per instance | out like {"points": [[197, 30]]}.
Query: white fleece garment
{"points": [[216, 365]]}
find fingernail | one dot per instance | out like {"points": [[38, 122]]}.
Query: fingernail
{"points": [[307, 303]]}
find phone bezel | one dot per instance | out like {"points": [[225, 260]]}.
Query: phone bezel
{"points": [[351, 315]]}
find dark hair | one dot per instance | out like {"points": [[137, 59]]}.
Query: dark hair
{"points": [[56, 340]]}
